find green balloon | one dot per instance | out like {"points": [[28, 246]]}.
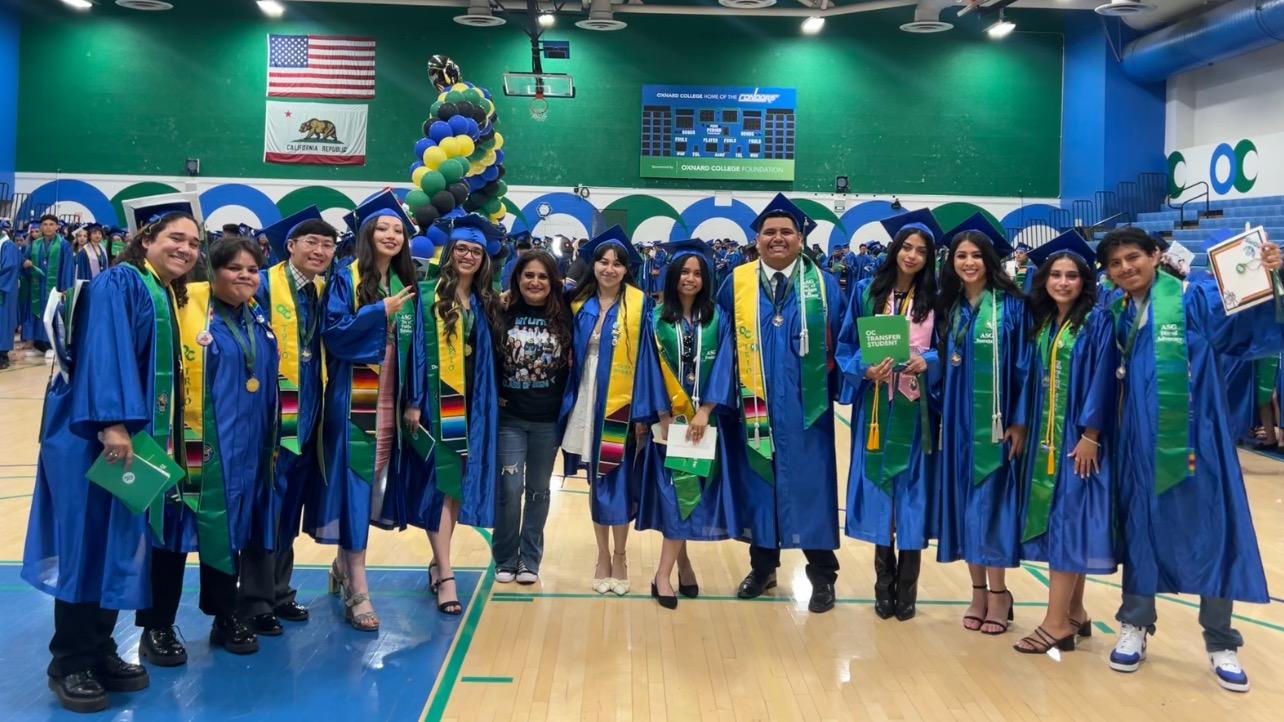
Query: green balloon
{"points": [[451, 170], [474, 96], [492, 206], [432, 109], [454, 96], [503, 189], [487, 144], [416, 199], [433, 181], [478, 154]]}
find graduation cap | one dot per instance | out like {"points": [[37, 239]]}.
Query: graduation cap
{"points": [[614, 236], [520, 237], [382, 204], [95, 226], [979, 223], [921, 219], [782, 207], [1069, 242], [283, 230], [875, 248], [692, 247], [472, 228], [140, 212]]}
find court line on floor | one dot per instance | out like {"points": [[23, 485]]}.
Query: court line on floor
{"points": [[524, 597], [486, 680], [15, 496], [5, 466], [439, 698]]}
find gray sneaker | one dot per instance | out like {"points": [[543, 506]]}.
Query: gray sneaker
{"points": [[505, 576], [526, 576]]}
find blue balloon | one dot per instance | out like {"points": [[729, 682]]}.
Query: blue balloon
{"points": [[416, 166], [475, 182], [440, 130], [438, 236], [485, 129], [423, 144], [499, 157], [474, 130], [458, 125], [421, 247], [491, 173]]}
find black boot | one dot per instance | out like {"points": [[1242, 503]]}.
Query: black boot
{"points": [[885, 581], [160, 646], [79, 691], [231, 634], [907, 583]]}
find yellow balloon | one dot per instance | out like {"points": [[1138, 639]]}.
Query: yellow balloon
{"points": [[450, 145], [465, 145], [459, 86], [434, 156], [499, 141], [489, 159], [499, 214], [476, 168], [441, 98], [418, 175]]}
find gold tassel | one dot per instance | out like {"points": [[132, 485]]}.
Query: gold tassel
{"points": [[872, 442], [1052, 459]]}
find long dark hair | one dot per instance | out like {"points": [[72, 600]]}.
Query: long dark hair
{"points": [[135, 253], [952, 287], [402, 265], [446, 306], [556, 311], [1044, 310], [586, 279], [924, 281], [701, 308]]}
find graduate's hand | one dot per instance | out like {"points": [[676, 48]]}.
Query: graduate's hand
{"points": [[695, 431], [1271, 256], [26, 264], [393, 304], [117, 446], [1015, 435], [639, 431], [411, 417], [665, 420], [1085, 457], [916, 365], [881, 372], [505, 298]]}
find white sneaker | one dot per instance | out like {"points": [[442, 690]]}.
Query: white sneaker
{"points": [[505, 576], [1130, 649], [1226, 668], [49, 355], [526, 576]]}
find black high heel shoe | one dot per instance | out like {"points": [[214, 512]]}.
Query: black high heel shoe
{"points": [[1040, 642], [972, 618], [666, 602], [1004, 625], [1084, 628]]}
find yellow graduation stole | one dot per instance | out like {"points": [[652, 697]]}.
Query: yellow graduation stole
{"points": [[753, 384], [284, 318], [619, 387]]}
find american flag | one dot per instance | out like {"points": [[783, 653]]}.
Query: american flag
{"points": [[321, 66]]}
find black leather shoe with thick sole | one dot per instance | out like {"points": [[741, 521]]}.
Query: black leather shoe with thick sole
{"points": [[231, 634], [160, 646], [755, 586], [79, 692], [822, 598], [117, 675]]}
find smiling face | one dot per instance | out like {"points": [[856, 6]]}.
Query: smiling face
{"points": [[691, 280], [1131, 268], [534, 283], [912, 256], [389, 237], [1064, 282], [779, 241], [467, 257], [238, 281], [609, 271], [969, 264], [311, 253], [174, 249]]}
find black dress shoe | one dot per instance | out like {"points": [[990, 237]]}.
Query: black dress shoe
{"points": [[292, 612], [160, 646], [79, 692], [117, 675], [690, 591], [670, 602], [822, 598], [267, 625], [231, 634], [754, 586]]}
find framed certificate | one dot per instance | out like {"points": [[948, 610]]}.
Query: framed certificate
{"points": [[1236, 264]]}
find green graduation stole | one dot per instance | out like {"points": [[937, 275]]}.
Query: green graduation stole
{"points": [[1264, 372], [38, 296], [987, 448], [446, 367], [687, 486], [1174, 458], [1055, 352], [888, 454], [363, 408]]}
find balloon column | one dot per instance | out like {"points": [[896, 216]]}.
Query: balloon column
{"points": [[459, 163]]}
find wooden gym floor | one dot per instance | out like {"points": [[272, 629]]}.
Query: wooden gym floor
{"points": [[557, 651]]}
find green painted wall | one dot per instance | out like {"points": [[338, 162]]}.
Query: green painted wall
{"points": [[137, 93]]}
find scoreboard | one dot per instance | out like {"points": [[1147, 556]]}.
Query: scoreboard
{"points": [[718, 132]]}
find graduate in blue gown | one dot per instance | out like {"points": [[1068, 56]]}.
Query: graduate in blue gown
{"points": [[92, 258], [373, 337], [84, 547], [983, 412], [1181, 531], [291, 296], [49, 267], [787, 314], [519, 243], [598, 424], [696, 358], [10, 284], [460, 395], [1069, 518], [890, 485]]}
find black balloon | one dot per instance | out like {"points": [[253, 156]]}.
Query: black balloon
{"points": [[459, 191], [491, 188], [502, 171], [427, 124], [479, 115], [486, 136], [465, 108], [473, 203], [443, 201], [426, 215], [447, 111]]}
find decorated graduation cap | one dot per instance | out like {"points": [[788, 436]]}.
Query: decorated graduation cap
{"points": [[140, 212], [283, 230], [921, 219], [614, 235], [678, 250], [384, 204], [782, 207], [1069, 242], [472, 228], [979, 223]]}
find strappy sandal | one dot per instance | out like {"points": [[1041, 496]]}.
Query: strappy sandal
{"points": [[338, 580], [972, 618], [1040, 642], [363, 622], [999, 623], [452, 607], [1084, 628]]}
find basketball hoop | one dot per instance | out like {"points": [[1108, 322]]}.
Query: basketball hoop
{"points": [[538, 107]]}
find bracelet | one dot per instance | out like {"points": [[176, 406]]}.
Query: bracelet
{"points": [[1090, 441]]}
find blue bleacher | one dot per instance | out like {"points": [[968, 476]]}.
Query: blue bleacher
{"points": [[1266, 212]]}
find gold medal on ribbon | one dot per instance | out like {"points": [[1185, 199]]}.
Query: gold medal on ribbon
{"points": [[252, 385]]}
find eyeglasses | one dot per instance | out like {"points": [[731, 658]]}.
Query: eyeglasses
{"points": [[468, 250], [312, 243]]}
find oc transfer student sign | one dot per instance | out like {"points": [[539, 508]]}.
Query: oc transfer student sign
{"points": [[713, 132]]}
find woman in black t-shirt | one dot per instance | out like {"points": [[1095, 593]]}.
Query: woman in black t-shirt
{"points": [[534, 360]]}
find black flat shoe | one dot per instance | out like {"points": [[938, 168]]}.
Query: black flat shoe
{"points": [[160, 646], [666, 602], [292, 612], [267, 625], [754, 586], [690, 591], [231, 634], [79, 692], [117, 675], [822, 598]]}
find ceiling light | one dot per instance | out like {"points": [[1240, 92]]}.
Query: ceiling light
{"points": [[271, 8], [78, 4], [546, 20], [1001, 27], [812, 25]]}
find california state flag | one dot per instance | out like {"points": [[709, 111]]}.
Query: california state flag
{"points": [[314, 134]]}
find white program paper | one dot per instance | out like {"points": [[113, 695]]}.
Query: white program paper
{"points": [[684, 448]]}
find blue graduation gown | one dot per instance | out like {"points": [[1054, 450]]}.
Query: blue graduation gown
{"points": [[246, 424], [340, 509], [613, 498], [800, 511], [714, 517], [1080, 535], [872, 515], [296, 477], [1197, 537], [1240, 383], [83, 545], [481, 475], [10, 274], [83, 270], [54, 279], [982, 523]]}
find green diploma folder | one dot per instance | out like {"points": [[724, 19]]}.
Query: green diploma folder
{"points": [[883, 337], [420, 440], [149, 475]]}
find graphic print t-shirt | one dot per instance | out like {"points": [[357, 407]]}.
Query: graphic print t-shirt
{"points": [[535, 367]]}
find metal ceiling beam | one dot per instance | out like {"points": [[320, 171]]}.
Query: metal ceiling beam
{"points": [[661, 9]]}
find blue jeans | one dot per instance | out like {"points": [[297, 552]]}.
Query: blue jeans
{"points": [[1214, 617], [526, 453]]}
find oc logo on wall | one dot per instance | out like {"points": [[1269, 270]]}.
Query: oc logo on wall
{"points": [[1230, 169]]}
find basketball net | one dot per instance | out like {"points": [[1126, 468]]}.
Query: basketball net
{"points": [[539, 107]]}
